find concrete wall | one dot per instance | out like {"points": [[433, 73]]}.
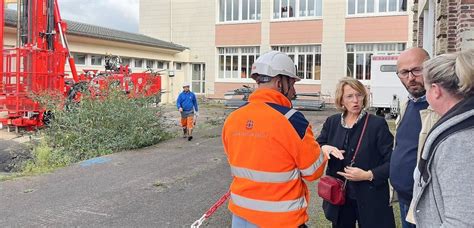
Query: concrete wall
{"points": [[334, 48], [189, 23]]}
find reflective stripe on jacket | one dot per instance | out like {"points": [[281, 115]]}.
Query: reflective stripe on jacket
{"points": [[271, 148]]}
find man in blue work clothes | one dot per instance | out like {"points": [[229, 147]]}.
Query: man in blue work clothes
{"points": [[412, 126], [188, 107]]}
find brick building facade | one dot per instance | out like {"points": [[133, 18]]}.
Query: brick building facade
{"points": [[443, 26]]}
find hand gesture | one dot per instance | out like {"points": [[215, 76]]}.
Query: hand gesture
{"points": [[180, 109], [330, 150], [356, 174]]}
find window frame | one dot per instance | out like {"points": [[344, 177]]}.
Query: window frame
{"points": [[152, 65], [166, 64], [376, 13], [201, 80], [376, 50], [74, 54], [296, 13], [92, 57], [224, 19], [297, 51], [176, 64], [135, 63], [123, 61], [240, 51]]}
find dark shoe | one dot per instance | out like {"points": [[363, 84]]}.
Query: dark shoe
{"points": [[190, 138]]}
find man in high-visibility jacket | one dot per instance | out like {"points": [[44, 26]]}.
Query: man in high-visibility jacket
{"points": [[271, 149]]}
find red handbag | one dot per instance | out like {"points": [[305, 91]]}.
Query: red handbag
{"points": [[333, 189]]}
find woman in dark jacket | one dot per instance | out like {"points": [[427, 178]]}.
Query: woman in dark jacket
{"points": [[367, 191]]}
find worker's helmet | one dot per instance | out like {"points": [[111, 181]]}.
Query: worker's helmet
{"points": [[186, 84], [272, 64]]}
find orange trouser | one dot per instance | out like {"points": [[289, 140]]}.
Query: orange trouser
{"points": [[187, 122]]}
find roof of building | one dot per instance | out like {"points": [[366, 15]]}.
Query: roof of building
{"points": [[94, 31]]}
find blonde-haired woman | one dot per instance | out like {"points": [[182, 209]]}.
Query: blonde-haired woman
{"points": [[367, 192], [444, 183]]}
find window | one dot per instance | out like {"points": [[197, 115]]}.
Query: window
{"points": [[79, 58], [178, 66], [138, 63], [359, 57], [239, 10], [198, 80], [355, 7], [162, 65], [428, 20], [126, 61], [307, 59], [96, 60], [236, 62], [150, 63], [283, 9]]}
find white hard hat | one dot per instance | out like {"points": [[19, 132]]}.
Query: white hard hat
{"points": [[186, 84], [274, 63]]}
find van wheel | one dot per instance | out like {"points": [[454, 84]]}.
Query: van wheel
{"points": [[379, 112]]}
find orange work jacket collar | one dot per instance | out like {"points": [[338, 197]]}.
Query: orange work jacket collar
{"points": [[265, 95]]}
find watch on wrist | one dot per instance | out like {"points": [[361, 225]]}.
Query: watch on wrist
{"points": [[371, 178]]}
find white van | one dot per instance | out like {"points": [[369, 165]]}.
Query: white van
{"points": [[386, 90]]}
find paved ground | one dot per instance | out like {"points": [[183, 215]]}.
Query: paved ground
{"points": [[167, 185]]}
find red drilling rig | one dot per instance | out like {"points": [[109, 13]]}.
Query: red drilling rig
{"points": [[37, 66]]}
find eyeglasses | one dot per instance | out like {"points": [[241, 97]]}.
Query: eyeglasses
{"points": [[416, 72], [358, 96]]}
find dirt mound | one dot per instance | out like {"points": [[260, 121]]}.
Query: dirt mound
{"points": [[12, 155]]}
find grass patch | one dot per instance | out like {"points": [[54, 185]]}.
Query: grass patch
{"points": [[10, 177], [43, 161], [320, 221]]}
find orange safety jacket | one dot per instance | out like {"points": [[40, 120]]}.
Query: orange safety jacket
{"points": [[271, 148]]}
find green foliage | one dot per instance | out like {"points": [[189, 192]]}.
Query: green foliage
{"points": [[96, 126]]}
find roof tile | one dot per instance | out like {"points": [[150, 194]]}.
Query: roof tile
{"points": [[94, 31]]}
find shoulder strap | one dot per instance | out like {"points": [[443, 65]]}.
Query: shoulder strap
{"points": [[360, 138]]}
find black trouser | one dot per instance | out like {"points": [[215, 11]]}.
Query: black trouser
{"points": [[348, 215]]}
